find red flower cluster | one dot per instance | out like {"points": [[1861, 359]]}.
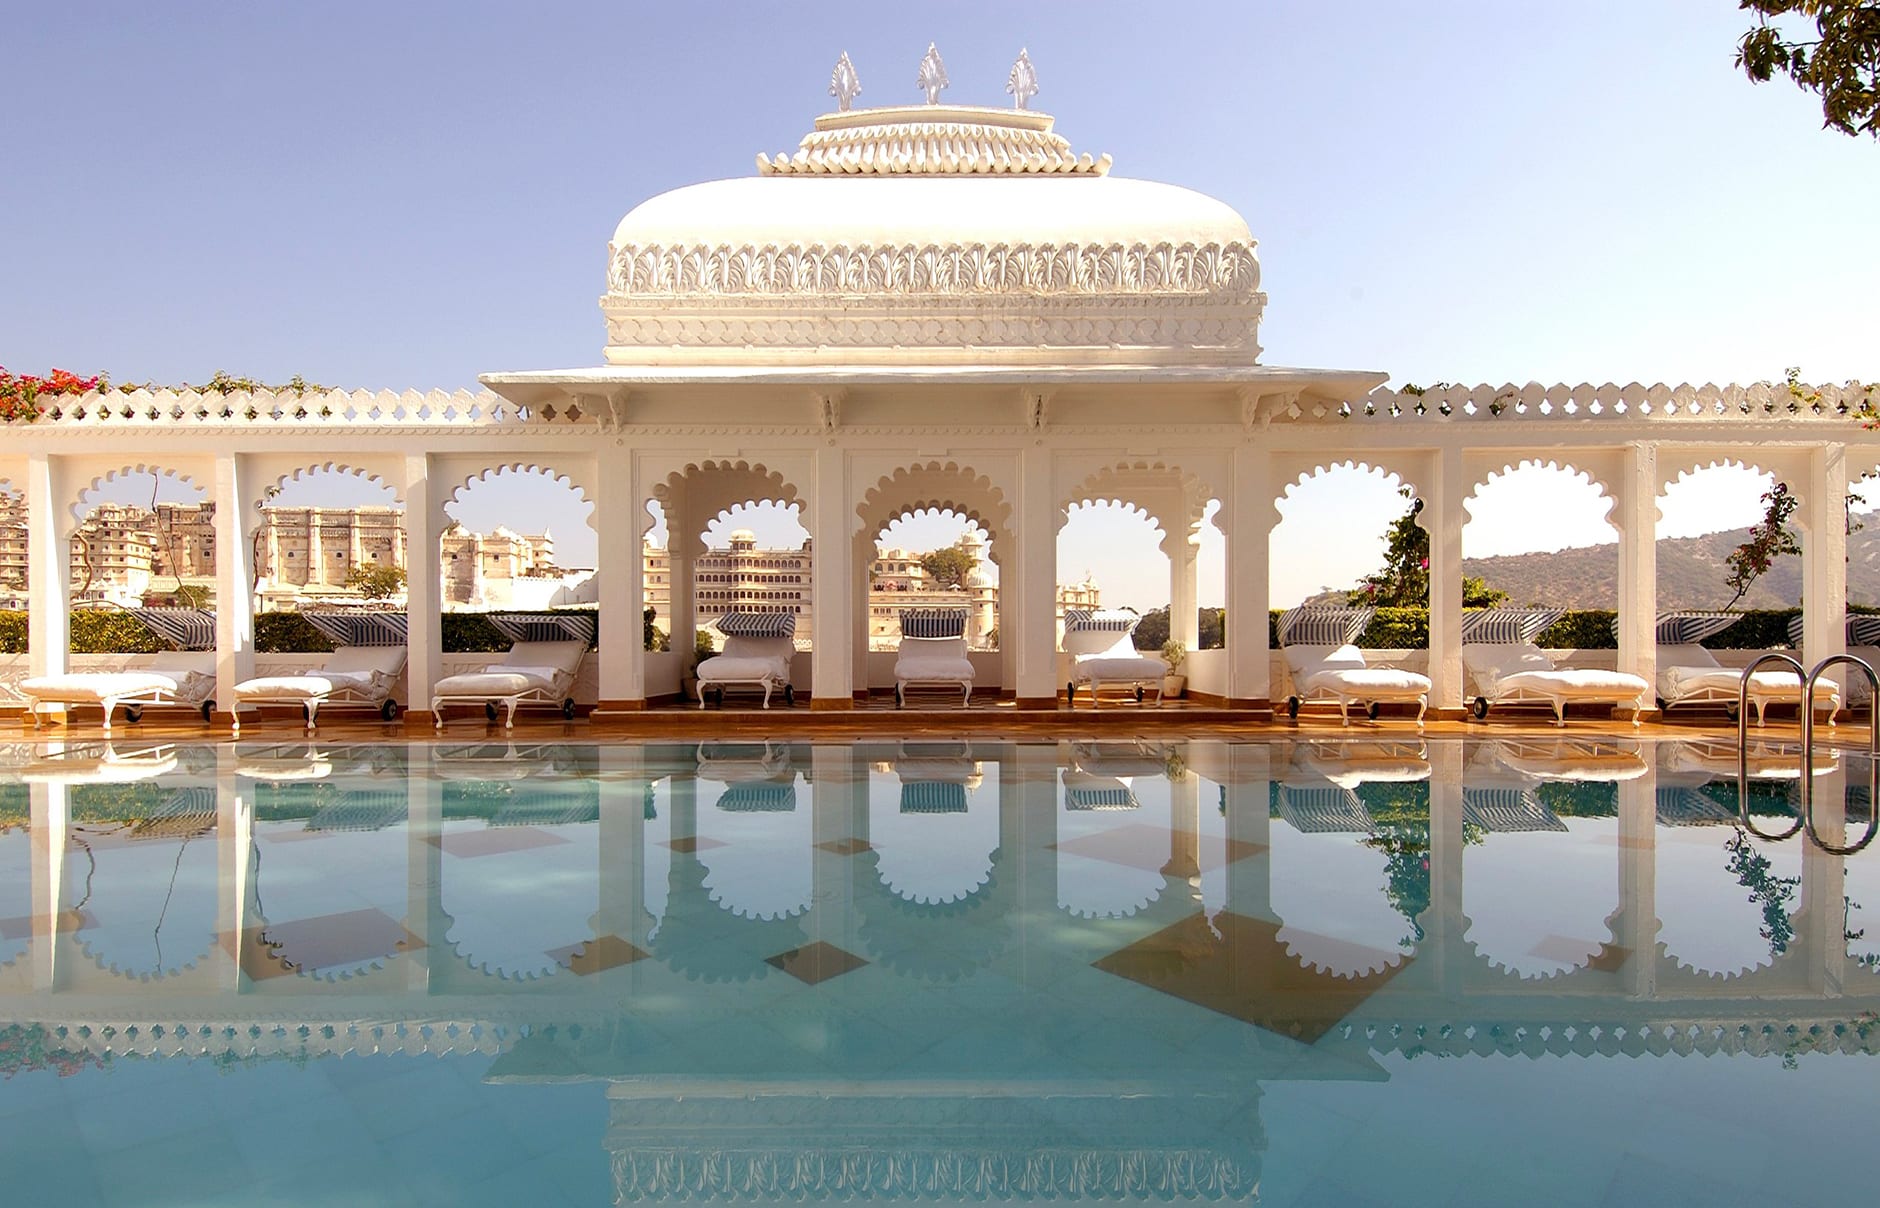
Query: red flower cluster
{"points": [[20, 394]]}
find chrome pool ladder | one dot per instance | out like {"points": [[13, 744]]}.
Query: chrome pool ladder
{"points": [[1807, 784]]}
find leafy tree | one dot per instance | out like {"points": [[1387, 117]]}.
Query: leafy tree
{"points": [[1770, 539], [376, 582], [1405, 580], [1153, 630], [1841, 64], [949, 567], [649, 632]]}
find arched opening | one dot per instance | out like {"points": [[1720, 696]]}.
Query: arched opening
{"points": [[933, 558], [517, 537], [143, 536], [329, 534]]}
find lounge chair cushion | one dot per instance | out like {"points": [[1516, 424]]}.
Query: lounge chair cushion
{"points": [[1341, 670], [498, 681], [91, 687], [933, 659], [1522, 667], [317, 685], [746, 659], [1688, 670]]}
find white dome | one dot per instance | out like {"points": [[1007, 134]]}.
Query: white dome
{"points": [[938, 234]]}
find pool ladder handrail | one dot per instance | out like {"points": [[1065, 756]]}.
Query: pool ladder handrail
{"points": [[1807, 785]]}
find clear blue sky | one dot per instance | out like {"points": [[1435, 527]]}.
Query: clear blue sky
{"points": [[405, 195]]}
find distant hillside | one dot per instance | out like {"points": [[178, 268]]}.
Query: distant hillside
{"points": [[1690, 574]]}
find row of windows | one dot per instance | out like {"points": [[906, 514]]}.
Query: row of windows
{"points": [[742, 607], [750, 595]]}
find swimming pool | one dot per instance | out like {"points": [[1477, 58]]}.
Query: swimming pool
{"points": [[1349, 971]]}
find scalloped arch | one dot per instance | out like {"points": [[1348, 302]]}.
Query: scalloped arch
{"points": [[1130, 482], [935, 486], [332, 467], [538, 469], [78, 497], [1561, 465], [1368, 464], [710, 488]]}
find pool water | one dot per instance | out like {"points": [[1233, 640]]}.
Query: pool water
{"points": [[1574, 971]]}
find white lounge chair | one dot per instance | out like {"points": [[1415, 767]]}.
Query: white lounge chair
{"points": [[532, 673], [1691, 675], [353, 676], [181, 679], [757, 653], [758, 777], [936, 777], [932, 652], [1325, 664], [1103, 656], [1520, 673], [1863, 642]]}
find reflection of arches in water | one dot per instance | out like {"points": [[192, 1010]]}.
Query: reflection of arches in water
{"points": [[1113, 840], [1331, 883], [1725, 900], [520, 887], [144, 885], [1511, 923], [331, 870], [705, 942], [935, 839], [934, 941], [754, 843]]}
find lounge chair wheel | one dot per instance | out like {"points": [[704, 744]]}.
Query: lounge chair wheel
{"points": [[1139, 694], [1070, 695], [208, 710], [1481, 707], [1370, 710], [789, 695], [1292, 707], [1730, 711], [567, 708], [489, 710], [388, 709], [133, 712]]}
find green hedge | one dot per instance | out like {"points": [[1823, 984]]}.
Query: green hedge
{"points": [[275, 633]]}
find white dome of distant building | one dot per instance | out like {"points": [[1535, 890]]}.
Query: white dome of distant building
{"points": [[743, 539], [844, 250]]}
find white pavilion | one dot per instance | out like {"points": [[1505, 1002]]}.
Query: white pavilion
{"points": [[939, 306]]}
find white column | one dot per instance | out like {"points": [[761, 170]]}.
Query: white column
{"points": [[1635, 515], [1824, 559], [622, 631], [1249, 541], [1184, 624], [832, 571], [50, 815], [1441, 950], [681, 573], [864, 560], [424, 525], [234, 582], [1442, 518], [234, 842], [1635, 926], [48, 566], [1031, 625], [427, 965]]}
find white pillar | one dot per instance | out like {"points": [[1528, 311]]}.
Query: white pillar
{"points": [[1442, 519], [1824, 559], [48, 566], [234, 845], [234, 581], [1635, 925], [682, 545], [1184, 625], [424, 524], [1032, 625], [1249, 541], [1443, 922], [832, 572], [50, 815], [1635, 515], [620, 569], [427, 966]]}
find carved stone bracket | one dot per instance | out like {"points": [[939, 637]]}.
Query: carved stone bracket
{"points": [[1258, 409]]}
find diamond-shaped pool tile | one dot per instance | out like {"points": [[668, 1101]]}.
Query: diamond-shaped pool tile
{"points": [[846, 847], [817, 962], [1246, 973], [690, 844], [598, 955]]}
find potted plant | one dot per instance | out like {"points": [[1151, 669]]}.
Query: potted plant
{"points": [[1174, 654]]}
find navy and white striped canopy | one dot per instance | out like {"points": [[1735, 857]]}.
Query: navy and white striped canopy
{"points": [[547, 626], [757, 624], [1113, 796], [1863, 629], [1685, 805], [933, 622], [1507, 811], [361, 810], [361, 628], [761, 797], [1507, 626], [183, 628], [932, 797], [1312, 625], [1105, 620], [1689, 628], [1324, 810]]}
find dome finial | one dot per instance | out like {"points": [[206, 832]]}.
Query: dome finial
{"points": [[1023, 82], [844, 84], [933, 75]]}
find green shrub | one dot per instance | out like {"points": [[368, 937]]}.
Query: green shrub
{"points": [[288, 633]]}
